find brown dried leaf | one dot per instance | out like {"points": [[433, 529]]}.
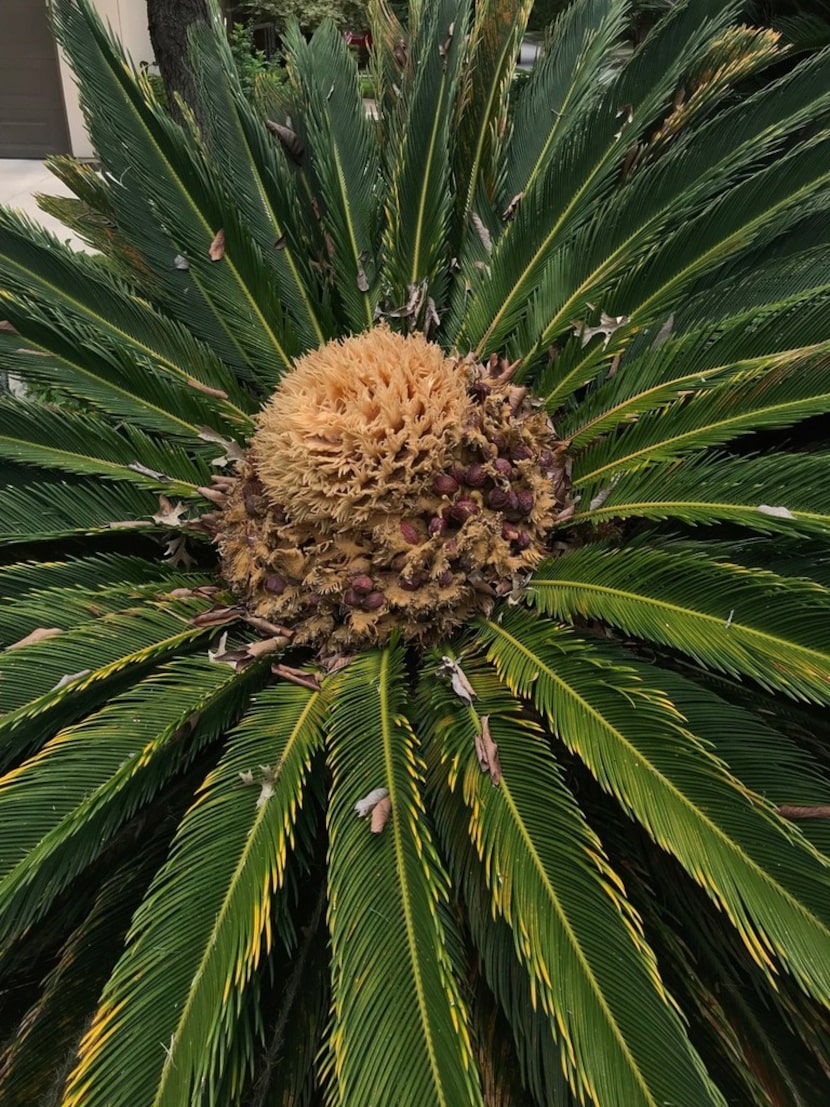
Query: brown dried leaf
{"points": [[267, 627], [217, 392], [217, 247], [488, 752], [262, 648], [154, 474], [608, 324], [297, 676], [460, 685], [510, 210], [232, 448], [168, 515], [177, 554], [289, 140], [481, 231], [218, 617], [38, 635], [788, 811], [213, 494], [380, 814]]}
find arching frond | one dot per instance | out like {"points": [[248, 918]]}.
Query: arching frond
{"points": [[772, 886], [579, 941], [61, 807], [184, 996], [719, 488], [399, 1026], [730, 617]]}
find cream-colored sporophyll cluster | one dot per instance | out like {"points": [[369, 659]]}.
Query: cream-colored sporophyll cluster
{"points": [[390, 486]]}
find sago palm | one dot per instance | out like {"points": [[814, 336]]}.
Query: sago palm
{"points": [[414, 598]]}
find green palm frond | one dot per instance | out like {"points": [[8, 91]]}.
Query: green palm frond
{"points": [[42, 435], [190, 1002], [637, 745], [718, 488], [399, 1027], [61, 807], [735, 619], [547, 602], [590, 970]]}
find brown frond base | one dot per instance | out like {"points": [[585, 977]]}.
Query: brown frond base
{"points": [[389, 487]]}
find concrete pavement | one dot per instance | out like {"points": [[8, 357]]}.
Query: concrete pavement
{"points": [[19, 182]]}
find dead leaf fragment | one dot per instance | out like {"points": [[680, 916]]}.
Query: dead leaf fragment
{"points": [[488, 752], [137, 467], [181, 262], [510, 210], [788, 811], [268, 781], [208, 391], [247, 778], [232, 448], [380, 814], [217, 655], [217, 617], [481, 231], [69, 677], [127, 524], [255, 650], [608, 324], [362, 281], [217, 247], [177, 554], [776, 512], [297, 676], [168, 515], [366, 806], [38, 635], [288, 139], [460, 685]]}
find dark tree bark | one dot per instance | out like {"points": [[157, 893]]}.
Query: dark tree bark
{"points": [[169, 22]]}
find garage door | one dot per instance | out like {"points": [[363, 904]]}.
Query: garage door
{"points": [[32, 118]]}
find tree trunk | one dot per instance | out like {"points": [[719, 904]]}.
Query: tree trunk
{"points": [[169, 22]]}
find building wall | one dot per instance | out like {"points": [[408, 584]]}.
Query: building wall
{"points": [[128, 18]]}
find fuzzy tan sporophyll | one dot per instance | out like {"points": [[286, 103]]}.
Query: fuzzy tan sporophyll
{"points": [[389, 486]]}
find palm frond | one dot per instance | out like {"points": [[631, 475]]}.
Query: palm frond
{"points": [[771, 884], [38, 510], [45, 682], [419, 204], [342, 149], [177, 211], [259, 183], [399, 1026], [495, 38], [731, 618], [77, 289], [227, 866], [787, 337], [777, 399], [61, 807], [577, 937], [54, 1024], [719, 488], [40, 434]]}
